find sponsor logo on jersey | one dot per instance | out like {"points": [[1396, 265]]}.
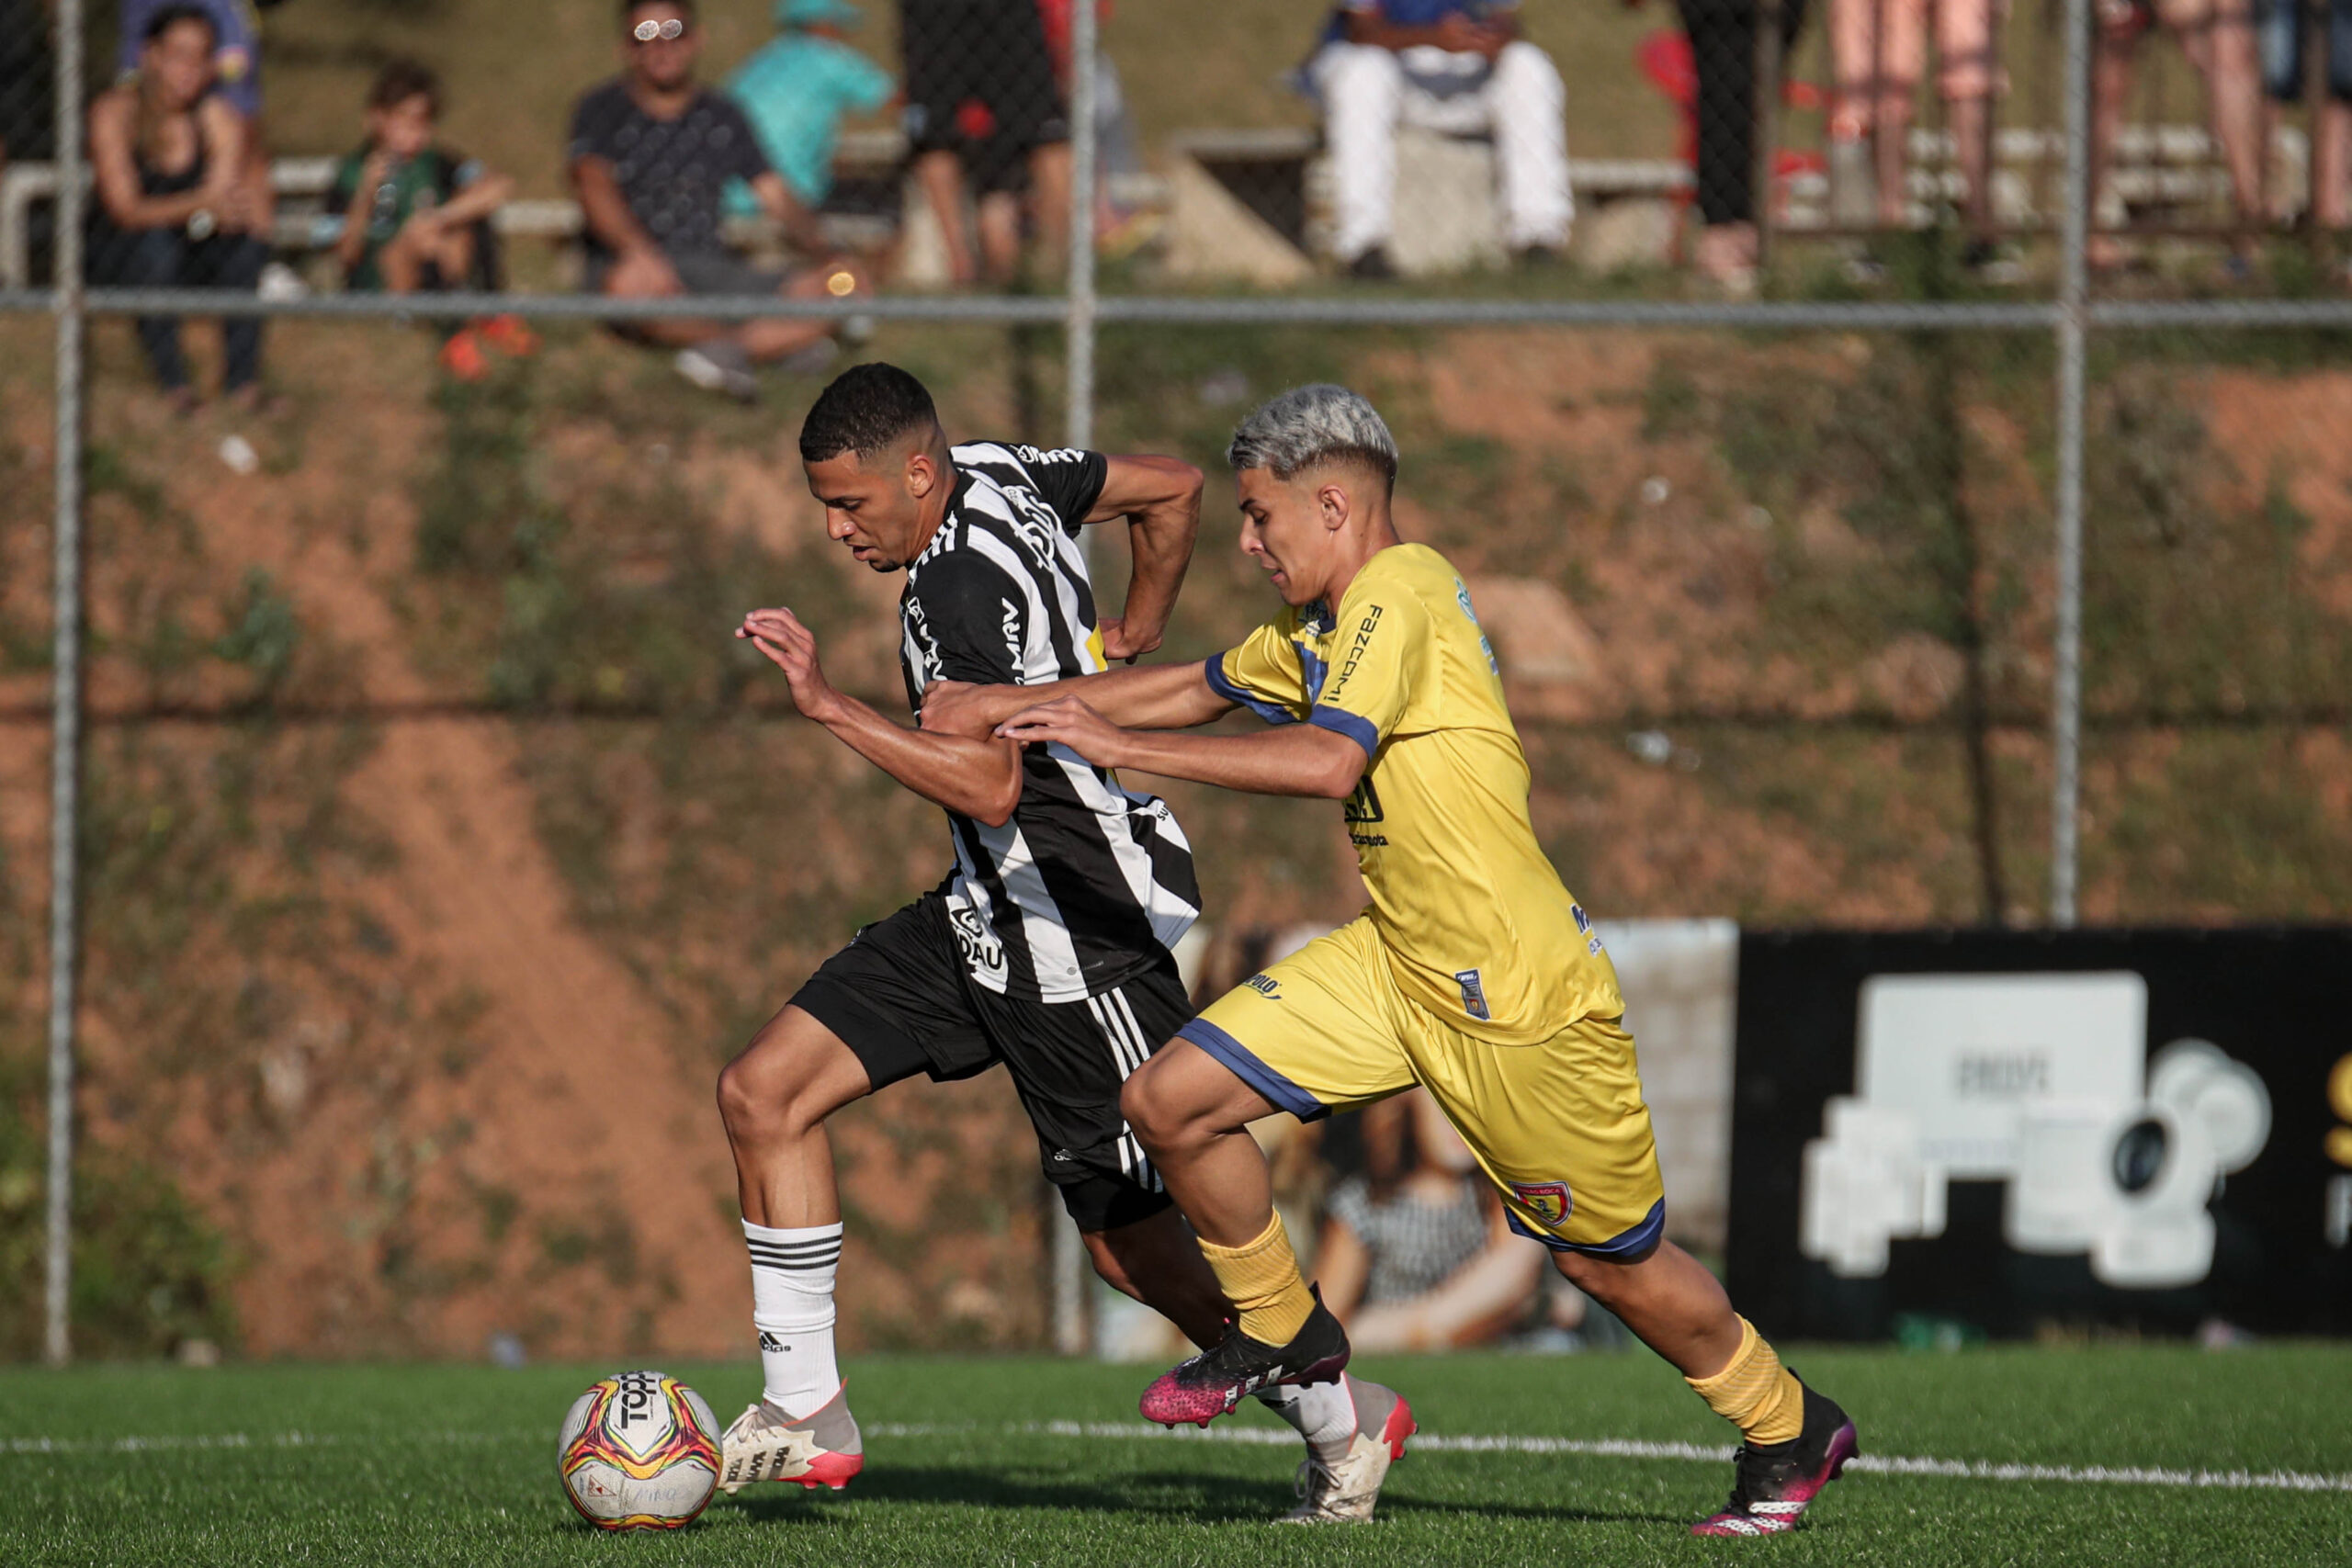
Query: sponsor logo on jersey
{"points": [[1584, 922], [1474, 993], [1462, 597], [1033, 524], [1549, 1202], [1365, 628], [1012, 647], [1364, 804], [1264, 984], [925, 647], [983, 954]]}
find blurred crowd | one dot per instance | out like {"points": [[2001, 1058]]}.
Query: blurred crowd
{"points": [[670, 172]]}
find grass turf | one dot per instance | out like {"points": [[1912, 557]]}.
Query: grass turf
{"points": [[454, 1464]]}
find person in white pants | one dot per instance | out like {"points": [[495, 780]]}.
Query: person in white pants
{"points": [[1458, 67]]}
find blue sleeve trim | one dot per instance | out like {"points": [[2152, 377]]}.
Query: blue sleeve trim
{"points": [[1222, 684], [1634, 1244], [1355, 728], [1244, 1064]]}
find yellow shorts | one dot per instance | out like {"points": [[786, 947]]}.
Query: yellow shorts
{"points": [[1559, 1127]]}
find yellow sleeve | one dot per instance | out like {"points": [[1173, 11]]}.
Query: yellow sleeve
{"points": [[1263, 674], [1382, 652]]}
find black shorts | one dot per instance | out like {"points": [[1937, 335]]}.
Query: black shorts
{"points": [[899, 996], [980, 84]]}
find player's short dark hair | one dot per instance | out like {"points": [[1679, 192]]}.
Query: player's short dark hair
{"points": [[170, 17], [866, 410], [686, 9], [402, 80]]}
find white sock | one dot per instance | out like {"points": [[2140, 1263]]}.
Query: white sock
{"points": [[792, 1306], [1323, 1412]]}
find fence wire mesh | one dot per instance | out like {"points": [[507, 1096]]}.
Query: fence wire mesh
{"points": [[414, 720]]}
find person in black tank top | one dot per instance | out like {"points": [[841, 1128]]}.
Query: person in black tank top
{"points": [[171, 213]]}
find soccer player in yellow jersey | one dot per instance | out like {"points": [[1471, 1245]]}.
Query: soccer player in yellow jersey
{"points": [[1474, 972]]}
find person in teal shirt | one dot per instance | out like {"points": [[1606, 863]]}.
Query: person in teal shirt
{"points": [[798, 89]]}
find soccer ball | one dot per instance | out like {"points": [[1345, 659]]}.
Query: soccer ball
{"points": [[640, 1451]]}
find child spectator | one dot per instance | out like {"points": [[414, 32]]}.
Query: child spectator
{"points": [[172, 212], [416, 214], [797, 91]]}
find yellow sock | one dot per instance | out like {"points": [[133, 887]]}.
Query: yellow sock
{"points": [[1754, 1392], [1262, 1280]]}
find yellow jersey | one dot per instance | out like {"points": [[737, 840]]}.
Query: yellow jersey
{"points": [[1476, 924]]}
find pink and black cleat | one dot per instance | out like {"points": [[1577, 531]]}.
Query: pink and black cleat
{"points": [[1213, 1383], [1777, 1483]]}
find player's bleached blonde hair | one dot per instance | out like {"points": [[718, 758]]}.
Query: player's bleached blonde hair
{"points": [[1312, 424]]}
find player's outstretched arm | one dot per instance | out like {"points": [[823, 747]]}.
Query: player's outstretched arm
{"points": [[977, 777], [1290, 759], [1148, 696], [1161, 498]]}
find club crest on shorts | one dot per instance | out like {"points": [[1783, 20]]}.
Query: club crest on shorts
{"points": [[1547, 1201], [1474, 993]]}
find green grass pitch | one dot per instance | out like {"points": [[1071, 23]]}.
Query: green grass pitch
{"points": [[454, 1464]]}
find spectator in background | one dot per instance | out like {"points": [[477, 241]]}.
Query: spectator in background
{"points": [[1454, 66], [237, 78], [798, 89], [1416, 1254], [172, 210], [27, 81], [2283, 33], [650, 156], [982, 108], [1724, 35], [1878, 53], [2218, 37], [416, 215]]}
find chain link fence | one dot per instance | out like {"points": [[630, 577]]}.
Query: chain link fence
{"points": [[1851, 509]]}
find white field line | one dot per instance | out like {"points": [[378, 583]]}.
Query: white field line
{"points": [[1427, 1442], [1627, 1448]]}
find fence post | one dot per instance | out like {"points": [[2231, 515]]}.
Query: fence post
{"points": [[1764, 127], [65, 702], [2066, 662], [1079, 332], [1072, 1323]]}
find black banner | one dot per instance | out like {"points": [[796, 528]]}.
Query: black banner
{"points": [[1949, 1133]]}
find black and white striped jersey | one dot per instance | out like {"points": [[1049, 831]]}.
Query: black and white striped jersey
{"points": [[1088, 883]]}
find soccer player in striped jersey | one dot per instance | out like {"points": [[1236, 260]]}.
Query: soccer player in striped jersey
{"points": [[1047, 948]]}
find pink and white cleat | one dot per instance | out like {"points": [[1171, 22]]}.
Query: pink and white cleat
{"points": [[820, 1449], [1345, 1493]]}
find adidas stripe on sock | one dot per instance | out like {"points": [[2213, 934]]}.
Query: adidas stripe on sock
{"points": [[792, 1307]]}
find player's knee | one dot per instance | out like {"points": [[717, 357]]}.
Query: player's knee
{"points": [[1108, 1264], [759, 1102], [1159, 1123], [740, 1106]]}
